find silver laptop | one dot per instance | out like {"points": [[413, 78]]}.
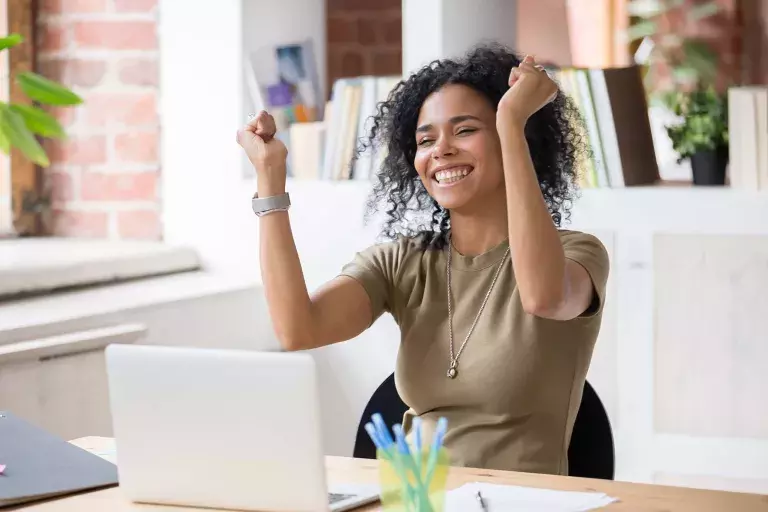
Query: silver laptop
{"points": [[221, 428]]}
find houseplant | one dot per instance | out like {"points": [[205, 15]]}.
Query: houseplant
{"points": [[702, 134], [676, 60], [684, 77], [21, 123]]}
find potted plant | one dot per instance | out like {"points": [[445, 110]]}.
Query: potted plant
{"points": [[702, 134], [674, 58]]}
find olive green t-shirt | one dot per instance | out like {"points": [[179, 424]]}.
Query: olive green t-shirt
{"points": [[520, 377]]}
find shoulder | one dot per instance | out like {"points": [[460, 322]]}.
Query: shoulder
{"points": [[575, 242], [388, 257]]}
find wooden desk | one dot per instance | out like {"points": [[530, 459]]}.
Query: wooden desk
{"points": [[634, 497]]}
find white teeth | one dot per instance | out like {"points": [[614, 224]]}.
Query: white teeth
{"points": [[451, 175]]}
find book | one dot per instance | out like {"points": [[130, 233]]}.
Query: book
{"points": [[748, 137], [614, 107]]}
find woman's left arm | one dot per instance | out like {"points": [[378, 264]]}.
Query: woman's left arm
{"points": [[550, 285]]}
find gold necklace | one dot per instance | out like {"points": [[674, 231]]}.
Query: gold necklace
{"points": [[453, 368]]}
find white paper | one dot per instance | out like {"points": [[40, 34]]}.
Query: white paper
{"points": [[519, 499]]}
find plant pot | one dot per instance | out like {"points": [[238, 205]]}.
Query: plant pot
{"points": [[708, 166]]}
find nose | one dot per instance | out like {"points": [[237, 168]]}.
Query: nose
{"points": [[443, 147]]}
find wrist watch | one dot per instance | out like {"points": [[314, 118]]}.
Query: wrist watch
{"points": [[264, 205]]}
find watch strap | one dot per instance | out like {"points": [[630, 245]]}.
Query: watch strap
{"points": [[262, 205]]}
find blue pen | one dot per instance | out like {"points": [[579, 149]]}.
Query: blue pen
{"points": [[381, 427], [437, 442], [402, 448], [374, 437], [379, 436], [417, 442]]}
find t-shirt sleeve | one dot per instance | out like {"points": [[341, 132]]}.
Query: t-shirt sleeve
{"points": [[376, 269], [590, 253]]}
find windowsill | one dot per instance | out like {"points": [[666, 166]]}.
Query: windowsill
{"points": [[35, 266]]}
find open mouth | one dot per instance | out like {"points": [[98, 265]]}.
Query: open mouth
{"points": [[452, 175]]}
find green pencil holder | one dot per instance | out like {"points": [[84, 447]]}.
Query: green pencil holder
{"points": [[401, 491]]}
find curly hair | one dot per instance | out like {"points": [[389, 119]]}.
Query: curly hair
{"points": [[553, 135]]}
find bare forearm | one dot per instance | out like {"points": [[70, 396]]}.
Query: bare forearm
{"points": [[537, 253], [284, 285]]}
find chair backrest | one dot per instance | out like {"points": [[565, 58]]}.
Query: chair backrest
{"points": [[590, 454], [387, 402]]}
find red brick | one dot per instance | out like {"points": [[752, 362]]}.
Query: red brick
{"points": [[141, 224], [72, 6], [80, 224], [362, 5], [127, 108], [74, 72], [352, 63], [139, 186], [116, 35], [139, 72], [392, 31], [78, 150], [61, 186], [342, 30], [135, 5], [367, 31], [137, 147], [387, 62], [51, 37], [64, 115], [50, 6]]}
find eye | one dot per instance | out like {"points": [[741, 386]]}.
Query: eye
{"points": [[424, 142], [465, 130]]}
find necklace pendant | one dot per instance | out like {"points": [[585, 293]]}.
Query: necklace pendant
{"points": [[452, 372]]}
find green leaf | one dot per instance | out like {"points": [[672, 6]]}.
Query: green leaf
{"points": [[5, 144], [10, 41], [641, 29], [699, 56], [701, 11], [40, 122], [46, 91], [13, 127]]}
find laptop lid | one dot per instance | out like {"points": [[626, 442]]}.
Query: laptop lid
{"points": [[217, 428], [40, 465]]}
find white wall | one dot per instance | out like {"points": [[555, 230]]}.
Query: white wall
{"points": [[434, 29]]}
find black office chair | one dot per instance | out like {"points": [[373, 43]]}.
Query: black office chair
{"points": [[387, 402], [590, 454]]}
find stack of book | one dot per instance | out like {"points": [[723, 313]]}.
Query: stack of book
{"points": [[325, 150], [612, 103], [748, 137], [614, 109]]}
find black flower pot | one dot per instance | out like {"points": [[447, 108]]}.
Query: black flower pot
{"points": [[708, 166]]}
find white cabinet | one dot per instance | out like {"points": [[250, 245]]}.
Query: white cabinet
{"points": [[60, 383]]}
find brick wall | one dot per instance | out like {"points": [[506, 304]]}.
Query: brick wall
{"points": [[104, 179], [364, 38]]}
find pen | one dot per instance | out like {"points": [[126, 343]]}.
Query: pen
{"points": [[483, 504]]}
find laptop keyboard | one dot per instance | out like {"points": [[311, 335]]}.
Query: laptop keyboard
{"points": [[334, 497]]}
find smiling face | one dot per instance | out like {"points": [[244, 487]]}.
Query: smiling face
{"points": [[458, 156]]}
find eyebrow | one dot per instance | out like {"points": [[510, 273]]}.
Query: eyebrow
{"points": [[453, 120]]}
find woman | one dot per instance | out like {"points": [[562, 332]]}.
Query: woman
{"points": [[498, 308]]}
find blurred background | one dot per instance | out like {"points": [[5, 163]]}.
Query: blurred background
{"points": [[125, 209]]}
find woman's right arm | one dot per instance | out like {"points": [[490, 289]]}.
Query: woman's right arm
{"points": [[337, 311]]}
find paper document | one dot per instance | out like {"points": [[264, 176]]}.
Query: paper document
{"points": [[528, 499]]}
